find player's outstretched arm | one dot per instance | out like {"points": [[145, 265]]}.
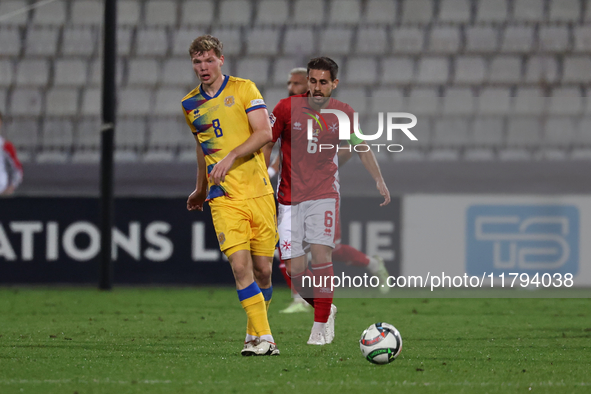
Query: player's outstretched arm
{"points": [[261, 135], [197, 198], [371, 165]]}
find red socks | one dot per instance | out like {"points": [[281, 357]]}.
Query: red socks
{"points": [[323, 295], [319, 296], [307, 293], [349, 254], [283, 270]]}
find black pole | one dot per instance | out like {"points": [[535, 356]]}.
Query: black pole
{"points": [[107, 143]]}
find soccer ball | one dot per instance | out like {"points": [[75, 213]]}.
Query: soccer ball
{"points": [[381, 343]]}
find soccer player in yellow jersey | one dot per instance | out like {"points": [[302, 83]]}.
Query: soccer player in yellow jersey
{"points": [[230, 123]]}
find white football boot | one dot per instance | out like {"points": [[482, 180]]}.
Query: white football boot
{"points": [[266, 348], [298, 305], [317, 337], [249, 348], [381, 272], [329, 328]]}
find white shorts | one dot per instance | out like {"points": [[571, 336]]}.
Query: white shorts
{"points": [[309, 222]]}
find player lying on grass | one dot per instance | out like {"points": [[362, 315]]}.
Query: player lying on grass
{"points": [[308, 189], [298, 84], [230, 123]]}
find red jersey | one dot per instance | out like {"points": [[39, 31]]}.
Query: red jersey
{"points": [[309, 169], [11, 170]]}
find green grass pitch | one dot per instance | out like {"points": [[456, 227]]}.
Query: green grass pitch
{"points": [[187, 340]]}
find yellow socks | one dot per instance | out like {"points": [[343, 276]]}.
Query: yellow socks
{"points": [[254, 304]]}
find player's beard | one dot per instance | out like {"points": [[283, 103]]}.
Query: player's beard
{"points": [[319, 101]]}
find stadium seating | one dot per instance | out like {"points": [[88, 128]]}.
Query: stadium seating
{"points": [[308, 12], [197, 12], [417, 11], [52, 14], [398, 70], [88, 135], [62, 102], [152, 42], [482, 39], [408, 40], [492, 11], [58, 134], [91, 102], [235, 12], [272, 12], [541, 70], [528, 10], [12, 6], [344, 11], [6, 73], [80, 41], [371, 40], [263, 41], [444, 39], [3, 94], [86, 12], [128, 12], [380, 11], [488, 79], [457, 11], [494, 101], [26, 102], [565, 11], [470, 70], [517, 38], [160, 13], [142, 71]]}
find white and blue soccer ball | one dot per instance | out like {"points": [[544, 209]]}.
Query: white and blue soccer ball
{"points": [[381, 343]]}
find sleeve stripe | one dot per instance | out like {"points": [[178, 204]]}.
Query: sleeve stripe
{"points": [[255, 107]]}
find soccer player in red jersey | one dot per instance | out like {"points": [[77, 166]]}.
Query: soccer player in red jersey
{"points": [[11, 170], [308, 189], [298, 84]]}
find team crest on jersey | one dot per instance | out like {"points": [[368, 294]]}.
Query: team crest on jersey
{"points": [[221, 238], [316, 132], [229, 101], [286, 245]]}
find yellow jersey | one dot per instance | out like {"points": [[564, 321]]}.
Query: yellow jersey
{"points": [[221, 124]]}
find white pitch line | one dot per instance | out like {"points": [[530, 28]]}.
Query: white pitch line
{"points": [[24, 9]]}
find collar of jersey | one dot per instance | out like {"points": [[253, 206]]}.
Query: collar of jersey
{"points": [[207, 97]]}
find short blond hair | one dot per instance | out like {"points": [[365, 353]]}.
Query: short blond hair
{"points": [[299, 70], [205, 43]]}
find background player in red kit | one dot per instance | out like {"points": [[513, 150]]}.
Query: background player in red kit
{"points": [[308, 188], [11, 170], [298, 84]]}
